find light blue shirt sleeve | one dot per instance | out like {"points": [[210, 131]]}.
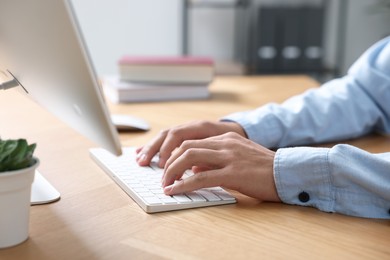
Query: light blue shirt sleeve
{"points": [[341, 179]]}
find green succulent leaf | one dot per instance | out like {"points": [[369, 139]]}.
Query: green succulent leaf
{"points": [[16, 154]]}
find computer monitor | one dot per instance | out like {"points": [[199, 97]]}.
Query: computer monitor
{"points": [[42, 48]]}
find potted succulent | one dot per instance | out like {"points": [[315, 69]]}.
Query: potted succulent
{"points": [[17, 169]]}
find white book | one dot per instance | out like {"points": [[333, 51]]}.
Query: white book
{"points": [[119, 91]]}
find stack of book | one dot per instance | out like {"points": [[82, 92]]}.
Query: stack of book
{"points": [[143, 79]]}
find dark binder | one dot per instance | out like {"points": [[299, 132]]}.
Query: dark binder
{"points": [[312, 59], [289, 39], [266, 49], [292, 20]]}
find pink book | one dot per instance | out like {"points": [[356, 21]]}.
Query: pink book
{"points": [[165, 60]]}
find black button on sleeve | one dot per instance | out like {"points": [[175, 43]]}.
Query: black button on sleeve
{"points": [[304, 197]]}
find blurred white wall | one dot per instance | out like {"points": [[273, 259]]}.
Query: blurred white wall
{"points": [[367, 22], [116, 27]]}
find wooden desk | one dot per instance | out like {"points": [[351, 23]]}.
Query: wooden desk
{"points": [[95, 219]]}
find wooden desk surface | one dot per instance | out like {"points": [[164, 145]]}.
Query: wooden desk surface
{"points": [[95, 219]]}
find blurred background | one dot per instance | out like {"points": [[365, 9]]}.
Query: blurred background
{"points": [[321, 38]]}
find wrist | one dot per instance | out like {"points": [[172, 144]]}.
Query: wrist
{"points": [[229, 126]]}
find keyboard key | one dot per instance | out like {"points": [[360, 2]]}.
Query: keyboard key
{"points": [[152, 200], [181, 198], [208, 195], [168, 200], [223, 195], [145, 194], [195, 196]]}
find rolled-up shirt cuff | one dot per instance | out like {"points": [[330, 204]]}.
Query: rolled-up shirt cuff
{"points": [[302, 177]]}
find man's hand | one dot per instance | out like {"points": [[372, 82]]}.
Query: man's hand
{"points": [[168, 140], [228, 160]]}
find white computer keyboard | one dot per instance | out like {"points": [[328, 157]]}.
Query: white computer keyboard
{"points": [[143, 184]]}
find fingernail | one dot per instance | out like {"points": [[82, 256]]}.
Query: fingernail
{"points": [[141, 157], [161, 163], [163, 181], [168, 189]]}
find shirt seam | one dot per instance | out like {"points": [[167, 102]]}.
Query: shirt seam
{"points": [[332, 193], [279, 185]]}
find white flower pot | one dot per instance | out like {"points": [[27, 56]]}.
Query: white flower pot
{"points": [[15, 194]]}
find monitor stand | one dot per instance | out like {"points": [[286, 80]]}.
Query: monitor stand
{"points": [[42, 192]]}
